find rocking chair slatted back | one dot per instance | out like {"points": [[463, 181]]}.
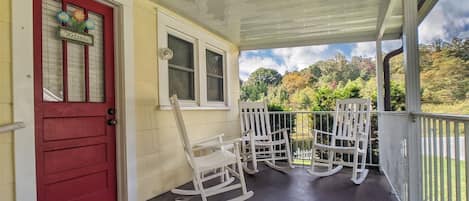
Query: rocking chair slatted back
{"points": [[352, 118], [255, 116], [181, 127]]}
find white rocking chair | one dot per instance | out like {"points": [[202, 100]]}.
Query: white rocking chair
{"points": [[259, 142], [349, 135], [215, 164]]}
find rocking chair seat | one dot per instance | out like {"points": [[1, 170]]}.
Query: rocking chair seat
{"points": [[215, 159]]}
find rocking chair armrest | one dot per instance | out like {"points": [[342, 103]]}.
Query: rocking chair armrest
{"points": [[322, 132], [208, 139], [217, 144], [232, 141]]}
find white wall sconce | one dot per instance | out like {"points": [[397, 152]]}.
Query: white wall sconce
{"points": [[166, 53]]}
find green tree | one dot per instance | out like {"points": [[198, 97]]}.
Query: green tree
{"points": [[258, 84]]}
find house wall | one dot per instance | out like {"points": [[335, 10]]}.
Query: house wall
{"points": [[161, 164], [6, 114]]}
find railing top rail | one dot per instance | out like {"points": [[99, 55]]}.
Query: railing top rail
{"points": [[317, 112], [442, 116], [10, 127], [426, 114], [312, 112]]}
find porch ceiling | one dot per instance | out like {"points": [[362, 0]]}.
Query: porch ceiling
{"points": [[258, 24]]}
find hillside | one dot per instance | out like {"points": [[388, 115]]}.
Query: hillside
{"points": [[444, 80]]}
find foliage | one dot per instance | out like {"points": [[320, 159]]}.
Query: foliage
{"points": [[444, 81], [258, 83], [265, 75]]}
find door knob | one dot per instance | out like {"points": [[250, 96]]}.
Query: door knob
{"points": [[111, 122], [111, 111]]}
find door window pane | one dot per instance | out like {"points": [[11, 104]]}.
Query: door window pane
{"points": [[214, 76], [75, 69], [181, 68], [96, 60], [52, 65], [76, 72]]}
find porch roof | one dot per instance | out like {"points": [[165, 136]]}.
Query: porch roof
{"points": [[259, 24]]}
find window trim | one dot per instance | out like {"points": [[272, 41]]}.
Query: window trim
{"points": [[202, 41]]}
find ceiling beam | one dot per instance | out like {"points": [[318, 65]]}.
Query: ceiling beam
{"points": [[425, 8], [324, 40], [384, 16]]}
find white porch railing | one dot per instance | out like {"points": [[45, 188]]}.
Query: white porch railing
{"points": [[444, 156], [11, 127], [300, 126]]}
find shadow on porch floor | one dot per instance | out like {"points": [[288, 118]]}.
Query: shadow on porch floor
{"points": [[298, 185]]}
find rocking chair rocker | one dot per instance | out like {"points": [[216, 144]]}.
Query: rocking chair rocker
{"points": [[259, 142], [349, 136], [215, 164]]}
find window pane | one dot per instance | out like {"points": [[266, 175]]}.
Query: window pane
{"points": [[76, 72], [181, 83], [214, 89], [181, 68], [214, 63], [96, 60], [183, 52], [214, 76], [75, 69], [52, 66]]}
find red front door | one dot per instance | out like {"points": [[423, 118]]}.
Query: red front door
{"points": [[74, 102]]}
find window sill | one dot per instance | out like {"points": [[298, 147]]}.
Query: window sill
{"points": [[197, 108]]}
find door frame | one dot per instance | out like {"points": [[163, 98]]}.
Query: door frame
{"points": [[23, 99]]}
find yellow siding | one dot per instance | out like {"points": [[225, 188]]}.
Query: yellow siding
{"points": [[6, 114], [161, 164]]}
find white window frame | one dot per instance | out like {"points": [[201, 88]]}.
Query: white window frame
{"points": [[192, 40], [223, 54], [202, 41]]}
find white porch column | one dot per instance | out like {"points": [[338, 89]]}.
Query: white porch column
{"points": [[412, 82], [379, 76]]}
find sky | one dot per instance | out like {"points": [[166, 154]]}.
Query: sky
{"points": [[448, 19]]}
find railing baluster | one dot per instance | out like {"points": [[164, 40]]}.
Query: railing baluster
{"points": [[425, 155], [429, 152], [466, 149], [302, 136], [448, 158], [440, 147], [457, 164], [435, 158]]}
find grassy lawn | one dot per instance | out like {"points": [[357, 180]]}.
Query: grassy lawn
{"points": [[301, 162], [437, 186]]}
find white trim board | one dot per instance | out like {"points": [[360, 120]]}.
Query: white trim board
{"points": [[23, 100]]}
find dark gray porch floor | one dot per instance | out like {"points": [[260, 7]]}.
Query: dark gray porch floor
{"points": [[298, 185]]}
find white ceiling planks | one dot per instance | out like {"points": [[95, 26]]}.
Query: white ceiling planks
{"points": [[258, 24]]}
